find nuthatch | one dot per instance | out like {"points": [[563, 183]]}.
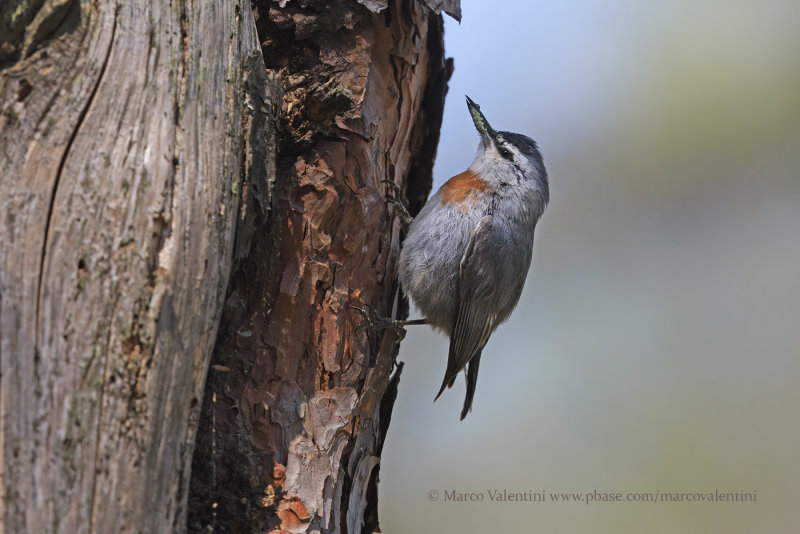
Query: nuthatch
{"points": [[467, 253]]}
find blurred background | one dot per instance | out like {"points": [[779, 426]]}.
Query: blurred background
{"points": [[657, 343]]}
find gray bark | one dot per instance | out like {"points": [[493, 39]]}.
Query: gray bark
{"points": [[124, 133]]}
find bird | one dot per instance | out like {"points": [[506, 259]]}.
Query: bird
{"points": [[467, 253]]}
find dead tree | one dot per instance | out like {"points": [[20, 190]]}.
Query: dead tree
{"points": [[191, 198]]}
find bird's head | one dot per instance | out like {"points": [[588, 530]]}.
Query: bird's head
{"points": [[506, 155]]}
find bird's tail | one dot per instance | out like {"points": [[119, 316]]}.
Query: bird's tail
{"points": [[472, 380]]}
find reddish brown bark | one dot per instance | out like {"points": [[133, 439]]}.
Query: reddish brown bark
{"points": [[298, 402]]}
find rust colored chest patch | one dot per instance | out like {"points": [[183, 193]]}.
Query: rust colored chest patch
{"points": [[463, 187]]}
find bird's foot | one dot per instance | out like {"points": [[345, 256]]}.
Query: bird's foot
{"points": [[373, 320], [400, 203]]}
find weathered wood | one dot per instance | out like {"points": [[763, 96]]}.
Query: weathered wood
{"points": [[122, 158], [298, 402]]}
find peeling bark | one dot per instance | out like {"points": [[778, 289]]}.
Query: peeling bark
{"points": [[298, 402]]}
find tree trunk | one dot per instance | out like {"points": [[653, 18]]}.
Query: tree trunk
{"points": [[298, 401], [144, 196], [124, 128]]}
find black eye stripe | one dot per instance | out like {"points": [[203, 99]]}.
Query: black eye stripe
{"points": [[505, 153]]}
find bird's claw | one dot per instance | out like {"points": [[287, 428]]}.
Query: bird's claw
{"points": [[395, 187], [399, 202], [373, 320]]}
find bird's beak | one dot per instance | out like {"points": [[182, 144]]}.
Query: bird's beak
{"points": [[481, 124]]}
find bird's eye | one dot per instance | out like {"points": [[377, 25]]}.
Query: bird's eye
{"points": [[506, 153]]}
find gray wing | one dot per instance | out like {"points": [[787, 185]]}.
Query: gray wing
{"points": [[475, 317]]}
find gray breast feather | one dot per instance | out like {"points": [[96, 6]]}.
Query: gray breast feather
{"points": [[430, 258]]}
